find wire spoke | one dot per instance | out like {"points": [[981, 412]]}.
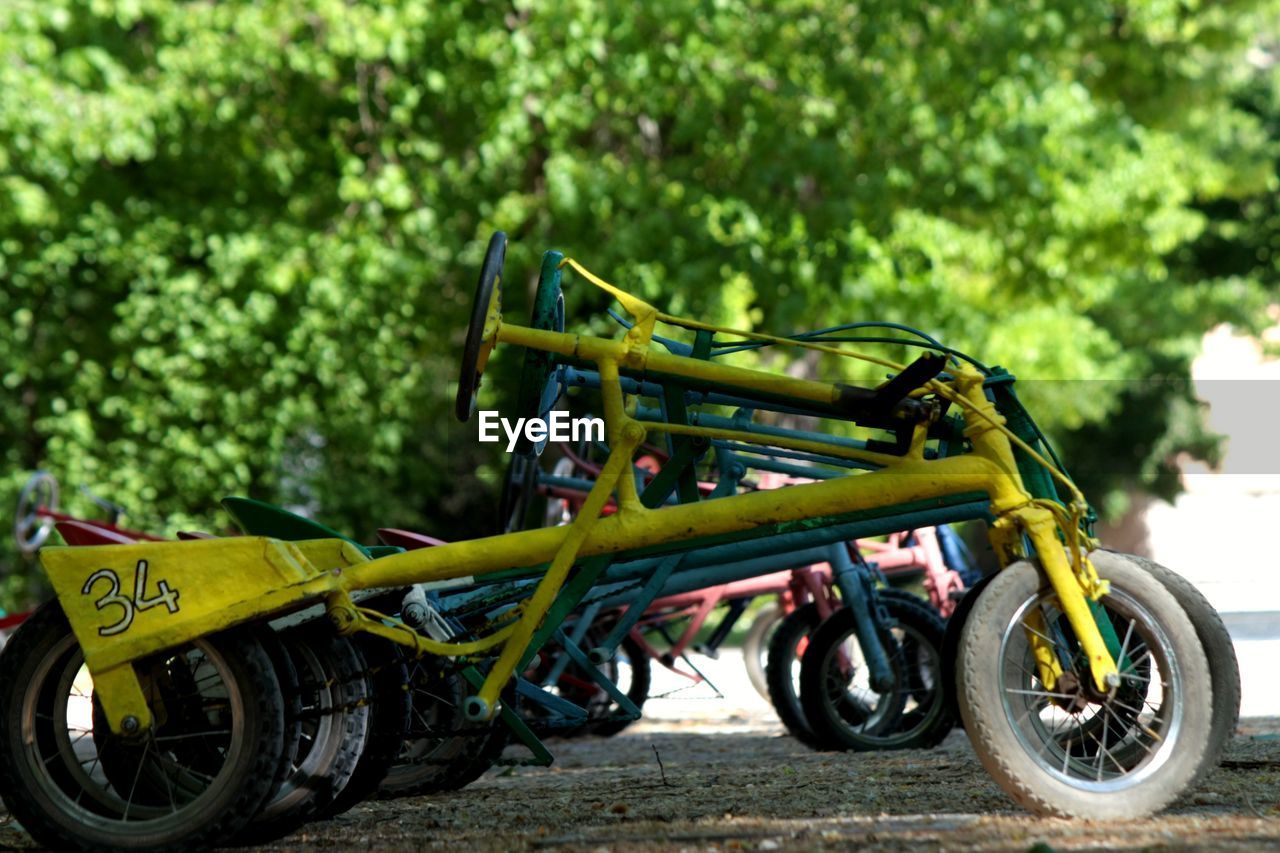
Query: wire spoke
{"points": [[189, 735], [1050, 694], [136, 776], [183, 768]]}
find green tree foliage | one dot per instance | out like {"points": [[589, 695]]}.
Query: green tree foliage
{"points": [[238, 239]]}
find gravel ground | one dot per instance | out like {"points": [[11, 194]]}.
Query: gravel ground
{"points": [[731, 779], [762, 790]]}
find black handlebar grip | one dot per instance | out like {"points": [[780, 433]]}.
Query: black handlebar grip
{"points": [[878, 404], [913, 376]]}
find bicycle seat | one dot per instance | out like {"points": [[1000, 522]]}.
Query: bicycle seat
{"points": [[257, 518], [81, 533], [407, 539]]}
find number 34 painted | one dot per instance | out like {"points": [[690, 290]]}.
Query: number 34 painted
{"points": [[129, 607]]}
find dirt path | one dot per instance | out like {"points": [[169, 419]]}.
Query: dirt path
{"points": [[762, 790], [734, 780]]}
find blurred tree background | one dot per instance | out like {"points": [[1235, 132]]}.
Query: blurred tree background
{"points": [[238, 239]]}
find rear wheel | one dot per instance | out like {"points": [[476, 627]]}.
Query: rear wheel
{"points": [[193, 780], [1070, 751]]}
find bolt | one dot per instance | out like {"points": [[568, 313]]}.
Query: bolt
{"points": [[341, 619], [129, 725], [1112, 680], [414, 614], [475, 709]]}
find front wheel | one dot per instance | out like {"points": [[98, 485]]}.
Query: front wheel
{"points": [[755, 647], [1069, 751], [192, 781], [1224, 669], [842, 708], [787, 647]]}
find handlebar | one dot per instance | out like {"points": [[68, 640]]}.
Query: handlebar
{"points": [[891, 401]]}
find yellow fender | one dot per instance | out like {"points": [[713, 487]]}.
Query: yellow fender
{"points": [[128, 601]]}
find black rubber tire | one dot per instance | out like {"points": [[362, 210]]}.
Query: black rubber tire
{"points": [[287, 675], [1218, 649], [518, 492], [917, 658], [951, 643], [389, 710], [637, 691], [755, 647], [538, 391], [332, 681], [242, 786], [482, 752], [430, 764], [1180, 749], [575, 685], [796, 627], [472, 371]]}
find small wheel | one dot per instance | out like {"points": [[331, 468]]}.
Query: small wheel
{"points": [[573, 685], [518, 489], [787, 648], [1054, 751], [30, 528], [486, 316], [845, 712], [540, 381], [335, 726], [1218, 648], [442, 750], [755, 647], [390, 707], [191, 781], [290, 690], [634, 678]]}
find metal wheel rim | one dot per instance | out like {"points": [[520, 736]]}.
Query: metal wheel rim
{"points": [[65, 662], [1018, 688], [418, 753], [890, 708], [320, 737]]}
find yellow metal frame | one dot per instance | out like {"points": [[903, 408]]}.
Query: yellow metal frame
{"points": [[224, 582]]}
